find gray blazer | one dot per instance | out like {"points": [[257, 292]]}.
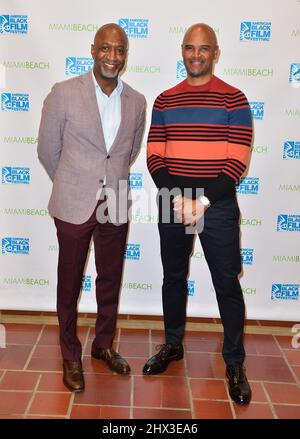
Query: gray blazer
{"points": [[72, 149]]}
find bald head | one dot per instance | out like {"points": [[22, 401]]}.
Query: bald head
{"points": [[199, 52], [204, 29], [114, 29]]}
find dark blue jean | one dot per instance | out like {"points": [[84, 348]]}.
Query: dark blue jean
{"points": [[220, 243]]}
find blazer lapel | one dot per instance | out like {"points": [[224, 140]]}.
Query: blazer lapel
{"points": [[91, 105]]}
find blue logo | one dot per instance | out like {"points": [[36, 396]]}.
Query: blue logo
{"points": [[181, 71], [15, 175], [257, 110], [291, 150], [133, 251], [255, 31], [13, 24], [247, 256], [78, 66], [86, 283], [285, 291], [288, 223], [191, 287], [15, 246], [14, 102], [136, 180], [134, 27], [295, 74], [248, 185]]}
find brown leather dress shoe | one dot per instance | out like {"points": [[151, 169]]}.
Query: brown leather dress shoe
{"points": [[73, 376], [114, 360]]}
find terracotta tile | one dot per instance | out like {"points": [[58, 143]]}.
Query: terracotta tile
{"points": [[157, 336], [52, 382], [88, 347], [50, 404], [152, 391], [44, 417], [136, 365], [201, 320], [296, 369], [134, 349], [49, 313], [98, 412], [105, 390], [14, 356], [22, 333], [283, 393], [287, 411], [267, 369], [45, 364], [91, 315], [19, 380], [261, 344], [284, 324], [285, 341], [212, 410], [253, 411], [21, 313], [12, 403], [175, 368], [161, 414], [11, 417], [293, 357], [208, 389], [203, 341], [47, 352], [50, 335], [201, 365], [134, 335], [146, 317], [251, 322], [258, 393]]}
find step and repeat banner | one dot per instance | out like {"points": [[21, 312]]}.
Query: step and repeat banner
{"points": [[43, 42]]}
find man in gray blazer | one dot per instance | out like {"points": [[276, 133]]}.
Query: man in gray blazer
{"points": [[90, 133]]}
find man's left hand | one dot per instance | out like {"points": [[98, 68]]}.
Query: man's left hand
{"points": [[188, 211]]}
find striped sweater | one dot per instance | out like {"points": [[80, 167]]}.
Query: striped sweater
{"points": [[200, 137]]}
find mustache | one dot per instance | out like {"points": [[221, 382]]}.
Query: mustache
{"points": [[200, 59]]}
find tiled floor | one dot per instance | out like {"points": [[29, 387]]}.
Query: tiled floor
{"points": [[195, 388]]}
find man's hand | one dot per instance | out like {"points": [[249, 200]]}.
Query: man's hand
{"points": [[188, 211]]}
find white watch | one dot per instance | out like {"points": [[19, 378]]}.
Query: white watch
{"points": [[204, 200]]}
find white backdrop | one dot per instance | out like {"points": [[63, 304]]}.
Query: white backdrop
{"points": [[42, 42]]}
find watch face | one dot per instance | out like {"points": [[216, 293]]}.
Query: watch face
{"points": [[204, 201]]}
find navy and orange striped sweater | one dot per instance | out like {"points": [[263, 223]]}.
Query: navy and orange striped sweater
{"points": [[200, 137]]}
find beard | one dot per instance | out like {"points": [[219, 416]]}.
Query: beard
{"points": [[197, 71], [105, 72]]}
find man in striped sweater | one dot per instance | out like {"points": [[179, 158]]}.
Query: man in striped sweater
{"points": [[198, 147]]}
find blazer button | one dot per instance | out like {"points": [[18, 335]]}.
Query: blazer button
{"points": [[108, 157]]}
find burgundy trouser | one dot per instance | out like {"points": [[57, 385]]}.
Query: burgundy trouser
{"points": [[109, 244]]}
